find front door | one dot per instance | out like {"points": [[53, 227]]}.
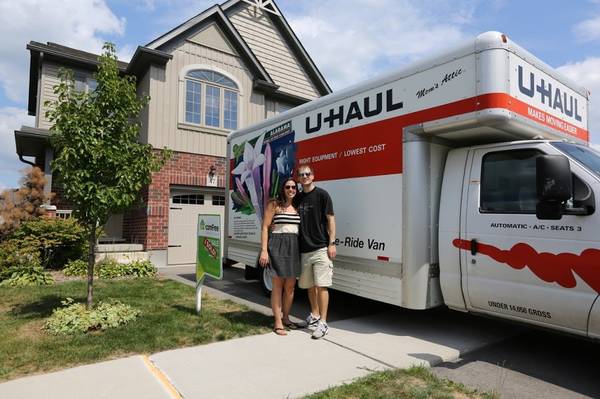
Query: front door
{"points": [[518, 265]]}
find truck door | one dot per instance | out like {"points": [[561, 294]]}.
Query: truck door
{"points": [[517, 265]]}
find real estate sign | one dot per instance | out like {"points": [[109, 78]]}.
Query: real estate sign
{"points": [[208, 258]]}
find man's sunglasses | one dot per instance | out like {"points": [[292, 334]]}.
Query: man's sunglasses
{"points": [[304, 174], [290, 187]]}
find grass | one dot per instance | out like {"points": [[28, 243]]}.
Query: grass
{"points": [[413, 383], [168, 320]]}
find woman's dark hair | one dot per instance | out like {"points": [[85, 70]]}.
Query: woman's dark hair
{"points": [[281, 194]]}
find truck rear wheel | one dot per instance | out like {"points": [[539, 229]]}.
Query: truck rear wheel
{"points": [[265, 281]]}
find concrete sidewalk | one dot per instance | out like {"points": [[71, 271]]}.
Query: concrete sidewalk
{"points": [[269, 366]]}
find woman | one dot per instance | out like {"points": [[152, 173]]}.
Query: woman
{"points": [[279, 251]]}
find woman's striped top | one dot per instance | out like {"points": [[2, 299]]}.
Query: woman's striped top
{"points": [[286, 223]]}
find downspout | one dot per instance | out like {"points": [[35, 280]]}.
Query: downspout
{"points": [[38, 106]]}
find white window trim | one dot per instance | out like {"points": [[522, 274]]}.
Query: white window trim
{"points": [[181, 95]]}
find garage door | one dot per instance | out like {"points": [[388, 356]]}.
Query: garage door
{"points": [[184, 208]]}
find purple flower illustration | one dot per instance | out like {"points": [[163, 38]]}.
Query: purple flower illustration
{"points": [[249, 172]]}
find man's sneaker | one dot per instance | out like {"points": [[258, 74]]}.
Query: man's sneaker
{"points": [[310, 322], [321, 331]]}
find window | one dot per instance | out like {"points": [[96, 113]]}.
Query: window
{"points": [[218, 200], [582, 154], [64, 213], [508, 182], [194, 199], [211, 99], [281, 108], [84, 83], [230, 109], [192, 102]]}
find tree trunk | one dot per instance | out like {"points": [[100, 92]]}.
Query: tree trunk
{"points": [[90, 269]]}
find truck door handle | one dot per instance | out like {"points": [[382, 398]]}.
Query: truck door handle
{"points": [[474, 247]]}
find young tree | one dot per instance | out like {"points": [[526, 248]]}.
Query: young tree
{"points": [[102, 166], [23, 204]]}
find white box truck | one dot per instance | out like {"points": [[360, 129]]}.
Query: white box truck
{"points": [[464, 180]]}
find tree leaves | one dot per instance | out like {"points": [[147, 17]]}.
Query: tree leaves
{"points": [[95, 136]]}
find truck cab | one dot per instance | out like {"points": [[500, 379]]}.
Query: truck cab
{"points": [[525, 244]]}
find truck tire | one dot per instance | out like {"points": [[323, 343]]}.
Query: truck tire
{"points": [[265, 281]]}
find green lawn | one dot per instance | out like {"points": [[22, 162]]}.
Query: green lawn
{"points": [[414, 383], [168, 320]]}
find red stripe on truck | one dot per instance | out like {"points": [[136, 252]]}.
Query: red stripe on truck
{"points": [[549, 267], [502, 100], [369, 150], [375, 149]]}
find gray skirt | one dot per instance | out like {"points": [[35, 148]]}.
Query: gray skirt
{"points": [[284, 254]]}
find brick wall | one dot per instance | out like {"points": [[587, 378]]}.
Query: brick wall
{"points": [[149, 224]]}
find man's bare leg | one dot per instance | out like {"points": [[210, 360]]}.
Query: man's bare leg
{"points": [[322, 301], [314, 304]]}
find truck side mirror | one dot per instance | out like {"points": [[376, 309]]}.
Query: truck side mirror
{"points": [[554, 185]]}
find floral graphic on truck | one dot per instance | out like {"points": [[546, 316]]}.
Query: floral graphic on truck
{"points": [[259, 167]]}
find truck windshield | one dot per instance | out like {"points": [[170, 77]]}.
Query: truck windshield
{"points": [[582, 154]]}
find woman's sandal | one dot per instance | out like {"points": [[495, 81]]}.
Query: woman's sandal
{"points": [[290, 325], [279, 331]]}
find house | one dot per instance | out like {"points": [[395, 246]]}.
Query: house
{"points": [[230, 66]]}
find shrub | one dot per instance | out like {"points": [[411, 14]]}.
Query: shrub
{"points": [[15, 255], [74, 318], [58, 240], [23, 276], [110, 268], [77, 267], [141, 268]]}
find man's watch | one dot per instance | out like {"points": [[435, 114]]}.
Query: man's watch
{"points": [[332, 243]]}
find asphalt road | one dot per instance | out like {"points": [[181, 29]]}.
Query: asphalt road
{"points": [[531, 364]]}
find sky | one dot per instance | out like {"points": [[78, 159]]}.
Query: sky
{"points": [[349, 40]]}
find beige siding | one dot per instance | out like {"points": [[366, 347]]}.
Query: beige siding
{"points": [[166, 127], [256, 109], [48, 81], [273, 53], [143, 88], [270, 108]]}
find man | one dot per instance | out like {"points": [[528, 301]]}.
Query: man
{"points": [[317, 248]]}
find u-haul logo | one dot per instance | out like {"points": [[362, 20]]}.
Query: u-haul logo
{"points": [[536, 87], [367, 107]]}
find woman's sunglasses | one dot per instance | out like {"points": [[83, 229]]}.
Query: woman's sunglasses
{"points": [[290, 187]]}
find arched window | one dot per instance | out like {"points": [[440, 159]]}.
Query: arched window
{"points": [[211, 99]]}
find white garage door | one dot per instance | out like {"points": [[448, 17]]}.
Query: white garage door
{"points": [[184, 208]]}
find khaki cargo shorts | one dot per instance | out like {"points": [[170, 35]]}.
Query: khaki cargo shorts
{"points": [[317, 269]]}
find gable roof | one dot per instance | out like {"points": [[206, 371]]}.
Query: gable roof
{"points": [[264, 81], [292, 40], [153, 53], [216, 14]]}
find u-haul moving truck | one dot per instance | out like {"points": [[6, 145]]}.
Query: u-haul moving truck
{"points": [[464, 180]]}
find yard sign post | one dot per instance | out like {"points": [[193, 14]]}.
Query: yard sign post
{"points": [[208, 258]]}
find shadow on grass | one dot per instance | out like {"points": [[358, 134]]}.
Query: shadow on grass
{"points": [[41, 308], [250, 318], [185, 309], [247, 317]]}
